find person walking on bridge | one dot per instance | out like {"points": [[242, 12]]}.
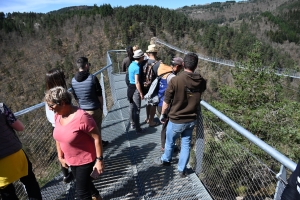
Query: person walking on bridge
{"points": [[88, 92], [168, 72], [182, 98], [153, 65], [78, 142], [127, 60], [134, 90]]}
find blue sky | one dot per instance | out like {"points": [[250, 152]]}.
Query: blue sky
{"points": [[44, 6]]}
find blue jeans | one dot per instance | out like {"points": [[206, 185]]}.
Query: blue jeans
{"points": [[173, 132]]}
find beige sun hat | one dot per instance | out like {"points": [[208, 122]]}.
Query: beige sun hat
{"points": [[152, 48]]}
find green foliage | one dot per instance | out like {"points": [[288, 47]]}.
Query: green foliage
{"points": [[258, 102], [288, 24], [106, 10], [265, 87]]}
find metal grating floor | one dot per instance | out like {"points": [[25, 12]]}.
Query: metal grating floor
{"points": [[129, 169]]}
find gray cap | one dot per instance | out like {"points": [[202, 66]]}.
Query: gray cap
{"points": [[138, 54], [177, 61]]}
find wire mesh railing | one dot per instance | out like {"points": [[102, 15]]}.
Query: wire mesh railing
{"points": [[230, 170], [227, 169]]}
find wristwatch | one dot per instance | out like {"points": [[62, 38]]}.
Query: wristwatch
{"points": [[99, 158]]}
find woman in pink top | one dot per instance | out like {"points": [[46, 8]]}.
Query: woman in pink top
{"points": [[78, 142]]}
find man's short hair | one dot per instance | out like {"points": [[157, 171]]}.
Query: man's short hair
{"points": [[190, 61], [81, 62]]}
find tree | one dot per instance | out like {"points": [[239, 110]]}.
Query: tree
{"points": [[257, 101]]}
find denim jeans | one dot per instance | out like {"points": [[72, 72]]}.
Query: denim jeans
{"points": [[31, 185], [173, 132], [84, 184], [135, 107]]}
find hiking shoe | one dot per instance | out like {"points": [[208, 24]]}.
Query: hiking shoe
{"points": [[68, 179], [142, 130], [159, 162], [182, 174], [104, 143]]}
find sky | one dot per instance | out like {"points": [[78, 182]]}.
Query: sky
{"points": [[44, 6]]}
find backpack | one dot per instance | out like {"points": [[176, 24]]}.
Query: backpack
{"points": [[152, 96], [149, 75], [163, 84]]}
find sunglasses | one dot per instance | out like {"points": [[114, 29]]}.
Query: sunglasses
{"points": [[51, 106]]}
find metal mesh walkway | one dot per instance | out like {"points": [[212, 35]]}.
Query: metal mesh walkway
{"points": [[130, 171]]}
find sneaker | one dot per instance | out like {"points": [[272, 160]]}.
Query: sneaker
{"points": [[182, 174], [68, 179], [142, 130], [159, 162], [132, 126], [104, 143]]}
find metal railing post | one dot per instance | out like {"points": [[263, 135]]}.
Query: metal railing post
{"points": [[281, 176]]}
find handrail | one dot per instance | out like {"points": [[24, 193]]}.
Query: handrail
{"points": [[39, 105], [261, 144], [280, 72]]}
